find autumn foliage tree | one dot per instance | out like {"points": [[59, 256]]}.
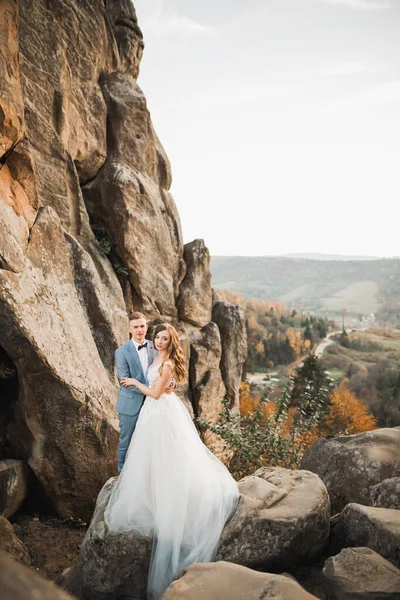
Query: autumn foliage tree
{"points": [[346, 414], [249, 403]]}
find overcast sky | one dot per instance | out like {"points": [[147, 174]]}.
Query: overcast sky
{"points": [[281, 119]]}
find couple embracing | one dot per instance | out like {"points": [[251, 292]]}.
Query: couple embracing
{"points": [[171, 488]]}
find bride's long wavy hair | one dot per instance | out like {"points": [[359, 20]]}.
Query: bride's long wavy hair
{"points": [[174, 351]]}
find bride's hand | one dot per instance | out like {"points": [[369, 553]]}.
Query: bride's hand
{"points": [[127, 381]]}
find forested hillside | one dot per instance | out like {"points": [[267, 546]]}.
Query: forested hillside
{"points": [[276, 334], [323, 287]]}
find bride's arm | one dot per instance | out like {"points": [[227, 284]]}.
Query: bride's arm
{"points": [[156, 391]]}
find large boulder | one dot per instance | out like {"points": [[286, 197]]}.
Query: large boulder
{"points": [[9, 542], [350, 466], [111, 565], [13, 486], [21, 583], [222, 580], [195, 296], [231, 324], [282, 520], [361, 574], [375, 528], [387, 493]]}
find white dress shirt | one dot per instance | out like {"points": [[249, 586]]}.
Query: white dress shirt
{"points": [[143, 355]]}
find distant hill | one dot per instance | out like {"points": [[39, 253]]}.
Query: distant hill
{"points": [[318, 256], [322, 286]]}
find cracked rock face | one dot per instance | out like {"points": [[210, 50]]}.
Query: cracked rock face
{"points": [[78, 155]]}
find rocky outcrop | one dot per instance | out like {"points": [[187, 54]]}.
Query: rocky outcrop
{"points": [[361, 573], [195, 296], [13, 486], [350, 466], [282, 519], [21, 583], [215, 581], [231, 324], [89, 231], [386, 494], [10, 543], [376, 528]]}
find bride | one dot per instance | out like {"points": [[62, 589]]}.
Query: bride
{"points": [[172, 488]]}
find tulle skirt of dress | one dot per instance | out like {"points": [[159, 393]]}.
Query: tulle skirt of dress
{"points": [[173, 489]]}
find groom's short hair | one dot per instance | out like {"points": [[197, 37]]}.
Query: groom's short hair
{"points": [[136, 315]]}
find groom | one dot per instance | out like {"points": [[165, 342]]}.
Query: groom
{"points": [[133, 360]]}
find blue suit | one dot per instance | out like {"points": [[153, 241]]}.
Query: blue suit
{"points": [[130, 399]]}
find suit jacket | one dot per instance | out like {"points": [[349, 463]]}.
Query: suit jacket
{"points": [[128, 363]]}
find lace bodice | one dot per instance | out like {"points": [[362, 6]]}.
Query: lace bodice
{"points": [[153, 373], [156, 408]]}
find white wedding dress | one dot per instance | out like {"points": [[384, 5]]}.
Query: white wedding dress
{"points": [[173, 489]]}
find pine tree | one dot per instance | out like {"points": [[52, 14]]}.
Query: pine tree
{"points": [[311, 386], [307, 333]]}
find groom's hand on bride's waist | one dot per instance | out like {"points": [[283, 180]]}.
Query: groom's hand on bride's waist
{"points": [[171, 387]]}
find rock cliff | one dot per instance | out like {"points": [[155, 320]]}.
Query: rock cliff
{"points": [[88, 231]]}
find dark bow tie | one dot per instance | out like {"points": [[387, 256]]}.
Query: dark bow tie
{"points": [[142, 346]]}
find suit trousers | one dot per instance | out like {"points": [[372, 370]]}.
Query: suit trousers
{"points": [[127, 424]]}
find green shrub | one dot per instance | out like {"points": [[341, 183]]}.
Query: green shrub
{"points": [[274, 437]]}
